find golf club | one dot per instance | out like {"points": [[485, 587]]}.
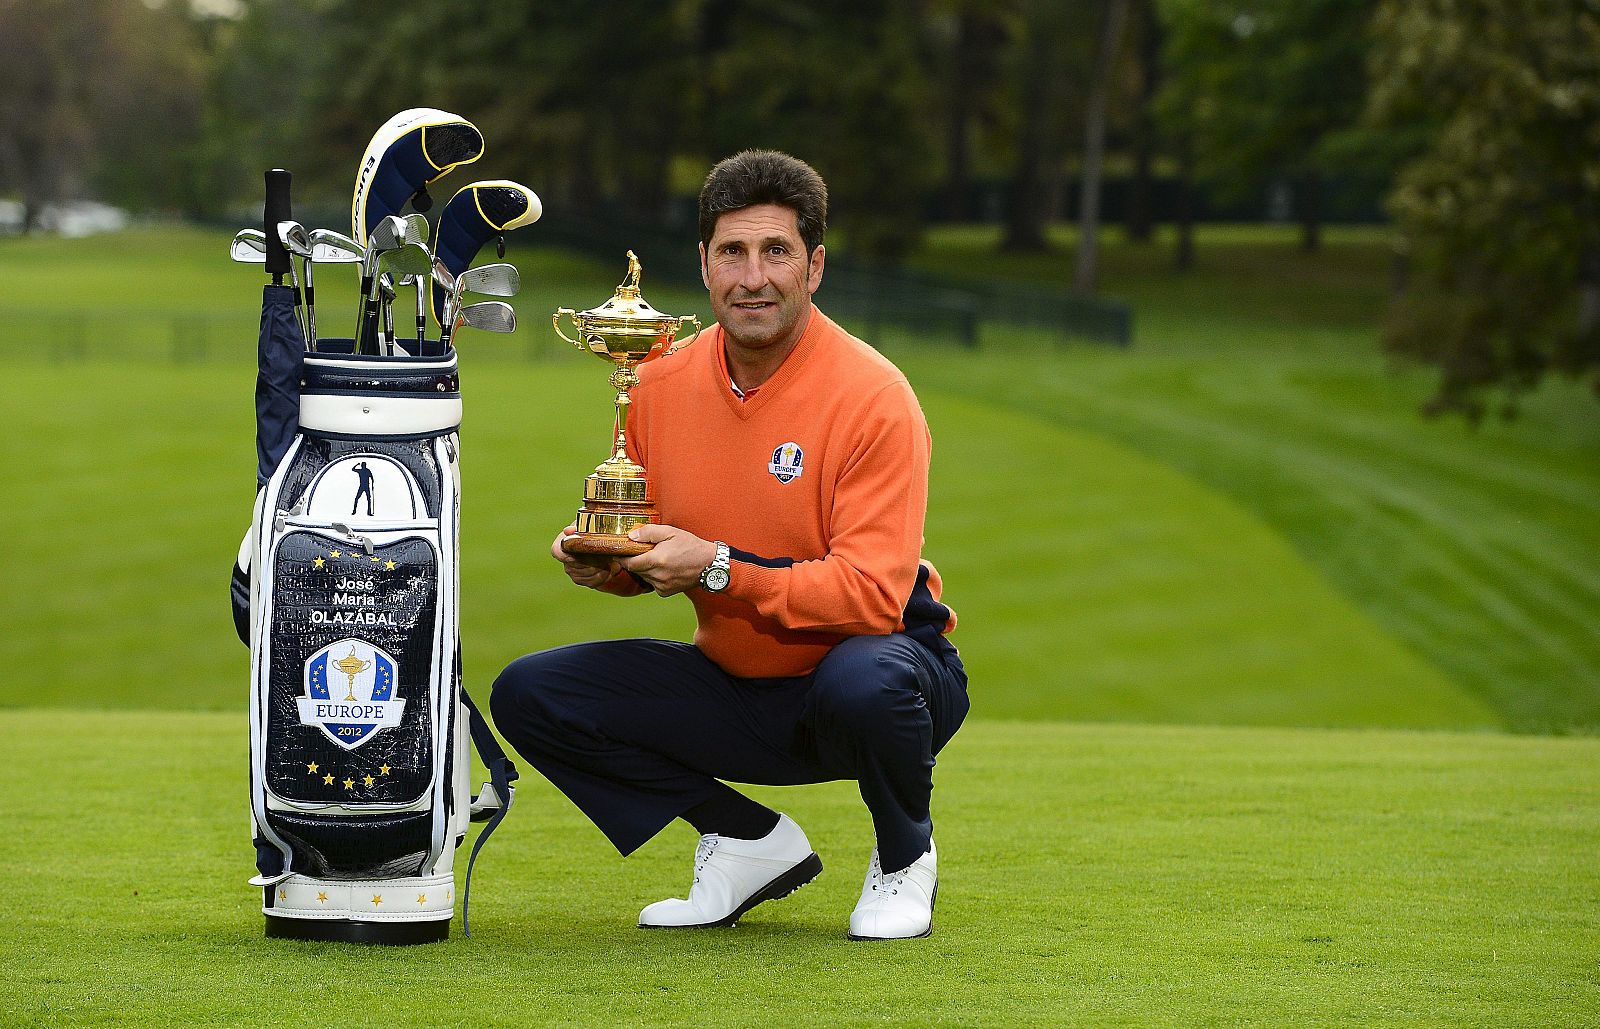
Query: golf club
{"points": [[488, 316], [412, 259], [330, 247], [297, 241], [388, 235], [249, 246]]}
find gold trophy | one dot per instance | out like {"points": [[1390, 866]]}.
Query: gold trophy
{"points": [[626, 331], [351, 666]]}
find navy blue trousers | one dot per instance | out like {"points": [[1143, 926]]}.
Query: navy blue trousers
{"points": [[636, 732]]}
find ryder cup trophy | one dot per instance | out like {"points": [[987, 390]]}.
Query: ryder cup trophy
{"points": [[626, 331]]}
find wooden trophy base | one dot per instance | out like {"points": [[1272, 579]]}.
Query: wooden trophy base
{"points": [[603, 547]]}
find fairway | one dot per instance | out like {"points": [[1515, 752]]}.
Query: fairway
{"points": [[1095, 874]]}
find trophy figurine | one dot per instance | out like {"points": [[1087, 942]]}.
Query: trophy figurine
{"points": [[626, 331]]}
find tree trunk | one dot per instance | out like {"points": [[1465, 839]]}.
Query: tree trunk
{"points": [[1094, 148], [1025, 223], [1141, 203], [1589, 295], [1184, 258], [1308, 198], [958, 124]]}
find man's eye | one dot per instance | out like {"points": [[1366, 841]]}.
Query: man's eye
{"points": [[777, 251]]}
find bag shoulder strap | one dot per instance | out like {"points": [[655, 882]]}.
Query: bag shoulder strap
{"points": [[493, 808]]}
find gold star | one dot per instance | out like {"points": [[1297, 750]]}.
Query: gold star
{"points": [[383, 770], [369, 780], [318, 563], [447, 894], [388, 566], [377, 898], [335, 553], [422, 898], [322, 898], [312, 767], [349, 784], [327, 780], [283, 894]]}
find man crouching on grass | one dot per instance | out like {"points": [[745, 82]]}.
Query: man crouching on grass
{"points": [[789, 462]]}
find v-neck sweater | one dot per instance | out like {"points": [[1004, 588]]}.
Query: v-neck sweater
{"points": [[818, 482]]}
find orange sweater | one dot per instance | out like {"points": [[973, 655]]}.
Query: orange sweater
{"points": [[818, 483]]}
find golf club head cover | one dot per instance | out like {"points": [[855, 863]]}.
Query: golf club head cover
{"points": [[409, 151], [478, 212]]}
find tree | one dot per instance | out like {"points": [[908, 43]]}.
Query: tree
{"points": [[845, 85], [1500, 215], [1259, 86], [971, 41], [1047, 61], [1094, 144], [97, 96]]}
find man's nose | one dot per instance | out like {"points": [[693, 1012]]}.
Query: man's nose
{"points": [[753, 274]]}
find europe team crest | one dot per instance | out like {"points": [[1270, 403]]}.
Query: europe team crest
{"points": [[350, 692], [788, 462]]}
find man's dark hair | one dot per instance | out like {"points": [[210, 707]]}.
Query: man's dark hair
{"points": [[753, 177]]}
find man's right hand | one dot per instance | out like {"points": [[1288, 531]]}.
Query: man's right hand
{"points": [[580, 571]]}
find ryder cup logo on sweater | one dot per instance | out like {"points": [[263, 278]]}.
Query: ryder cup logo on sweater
{"points": [[350, 692], [787, 462]]}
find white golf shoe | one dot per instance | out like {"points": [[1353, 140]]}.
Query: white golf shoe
{"points": [[732, 876], [897, 905]]}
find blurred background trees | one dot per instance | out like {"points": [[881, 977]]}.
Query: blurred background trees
{"points": [[1474, 126]]}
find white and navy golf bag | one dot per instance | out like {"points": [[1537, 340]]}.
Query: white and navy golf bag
{"points": [[359, 726]]}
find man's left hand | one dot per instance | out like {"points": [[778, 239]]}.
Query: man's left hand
{"points": [[677, 560]]}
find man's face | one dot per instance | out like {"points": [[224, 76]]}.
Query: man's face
{"points": [[760, 276]]}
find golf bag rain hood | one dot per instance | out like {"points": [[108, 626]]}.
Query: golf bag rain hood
{"points": [[359, 726]]}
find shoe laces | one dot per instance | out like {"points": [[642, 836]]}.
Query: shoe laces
{"points": [[703, 851], [885, 882]]}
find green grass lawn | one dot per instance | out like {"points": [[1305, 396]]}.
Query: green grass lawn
{"points": [[1239, 522], [1092, 875]]}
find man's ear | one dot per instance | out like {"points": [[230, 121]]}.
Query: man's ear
{"points": [[705, 275], [814, 272]]}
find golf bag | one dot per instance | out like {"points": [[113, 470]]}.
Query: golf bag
{"points": [[346, 593]]}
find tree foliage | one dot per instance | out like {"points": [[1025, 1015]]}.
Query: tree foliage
{"points": [[1263, 89], [1500, 216], [98, 95]]}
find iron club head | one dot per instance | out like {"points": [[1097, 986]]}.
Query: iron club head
{"points": [[249, 246], [494, 280], [488, 316]]}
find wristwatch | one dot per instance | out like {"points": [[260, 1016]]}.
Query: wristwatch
{"points": [[714, 577]]}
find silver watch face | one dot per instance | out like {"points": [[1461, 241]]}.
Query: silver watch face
{"points": [[716, 579]]}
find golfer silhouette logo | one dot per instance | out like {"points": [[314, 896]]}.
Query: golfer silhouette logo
{"points": [[363, 488]]}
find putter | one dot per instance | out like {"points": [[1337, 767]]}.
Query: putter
{"points": [[297, 241]]}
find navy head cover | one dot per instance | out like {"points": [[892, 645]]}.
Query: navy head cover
{"points": [[479, 212]]}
